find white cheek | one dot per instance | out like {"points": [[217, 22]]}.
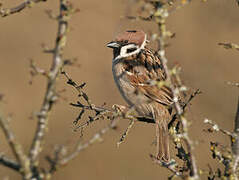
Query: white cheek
{"points": [[123, 51]]}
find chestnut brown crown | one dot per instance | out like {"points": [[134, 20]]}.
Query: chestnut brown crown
{"points": [[128, 43]]}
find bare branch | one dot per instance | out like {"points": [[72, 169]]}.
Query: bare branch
{"points": [[215, 127], [18, 8], [50, 95], [17, 150], [235, 144], [80, 147], [179, 111], [126, 132], [79, 88], [229, 46], [9, 163], [161, 14], [158, 16], [236, 84]]}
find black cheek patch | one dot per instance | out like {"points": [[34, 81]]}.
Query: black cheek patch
{"points": [[132, 31], [131, 50], [116, 52]]}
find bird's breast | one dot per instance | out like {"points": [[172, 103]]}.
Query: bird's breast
{"points": [[127, 90]]}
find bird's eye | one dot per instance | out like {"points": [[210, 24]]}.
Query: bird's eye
{"points": [[129, 50]]}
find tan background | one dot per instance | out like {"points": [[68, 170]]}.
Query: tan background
{"points": [[198, 27]]}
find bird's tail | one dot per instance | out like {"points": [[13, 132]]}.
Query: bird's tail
{"points": [[162, 136]]}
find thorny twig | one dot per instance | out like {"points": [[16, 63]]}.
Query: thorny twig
{"points": [[101, 113], [79, 88], [18, 8], [117, 111]]}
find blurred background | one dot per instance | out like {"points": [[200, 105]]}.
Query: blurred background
{"points": [[199, 27]]}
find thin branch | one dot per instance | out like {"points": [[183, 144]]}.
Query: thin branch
{"points": [[80, 147], [235, 144], [17, 150], [179, 112], [99, 116], [229, 46], [192, 96], [10, 163], [50, 95], [36, 70], [161, 15], [79, 88], [236, 84], [126, 132], [18, 8], [215, 127], [172, 166], [220, 152], [54, 161], [104, 111]]}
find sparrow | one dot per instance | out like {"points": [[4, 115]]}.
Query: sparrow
{"points": [[135, 69]]}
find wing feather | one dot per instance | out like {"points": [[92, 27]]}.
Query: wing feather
{"points": [[142, 77]]}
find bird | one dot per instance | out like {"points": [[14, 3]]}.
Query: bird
{"points": [[135, 69]]}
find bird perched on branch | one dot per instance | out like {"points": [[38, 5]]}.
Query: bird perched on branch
{"points": [[137, 72]]}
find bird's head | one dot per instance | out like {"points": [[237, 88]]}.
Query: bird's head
{"points": [[127, 44]]}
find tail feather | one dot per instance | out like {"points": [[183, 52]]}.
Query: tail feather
{"points": [[162, 135]]}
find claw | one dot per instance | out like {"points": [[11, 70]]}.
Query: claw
{"points": [[119, 108]]}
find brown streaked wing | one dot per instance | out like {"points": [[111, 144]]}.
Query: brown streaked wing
{"points": [[140, 77]]}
